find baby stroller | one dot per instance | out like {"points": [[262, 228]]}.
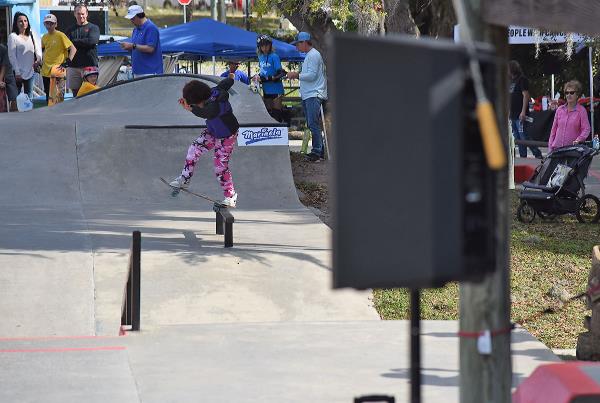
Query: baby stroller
{"points": [[557, 187]]}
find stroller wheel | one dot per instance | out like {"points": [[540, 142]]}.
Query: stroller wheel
{"points": [[525, 213], [589, 209]]}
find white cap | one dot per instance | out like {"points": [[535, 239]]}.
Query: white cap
{"points": [[133, 11], [51, 18]]}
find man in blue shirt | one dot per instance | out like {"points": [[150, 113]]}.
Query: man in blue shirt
{"points": [[146, 54], [313, 90], [236, 74]]}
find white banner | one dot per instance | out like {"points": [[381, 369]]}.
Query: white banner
{"points": [[524, 36], [263, 136]]}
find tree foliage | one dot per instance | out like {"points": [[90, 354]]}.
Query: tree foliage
{"points": [[367, 17]]}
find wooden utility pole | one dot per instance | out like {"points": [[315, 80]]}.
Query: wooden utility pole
{"points": [[487, 378]]}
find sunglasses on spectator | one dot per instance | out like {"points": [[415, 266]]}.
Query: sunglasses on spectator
{"points": [[570, 92]]}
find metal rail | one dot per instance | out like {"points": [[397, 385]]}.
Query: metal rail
{"points": [[130, 309]]}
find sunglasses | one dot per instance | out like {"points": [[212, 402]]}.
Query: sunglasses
{"points": [[570, 92]]}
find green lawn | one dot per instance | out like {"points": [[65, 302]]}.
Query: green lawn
{"points": [[544, 254]]}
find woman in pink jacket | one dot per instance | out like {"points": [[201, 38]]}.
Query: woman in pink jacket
{"points": [[571, 124]]}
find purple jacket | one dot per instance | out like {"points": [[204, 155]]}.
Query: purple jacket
{"points": [[220, 120]]}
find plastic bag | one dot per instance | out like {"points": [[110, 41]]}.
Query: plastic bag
{"points": [[560, 174], [24, 104]]}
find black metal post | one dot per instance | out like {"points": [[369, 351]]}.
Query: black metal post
{"points": [[219, 222], [136, 280], [415, 346], [228, 234]]}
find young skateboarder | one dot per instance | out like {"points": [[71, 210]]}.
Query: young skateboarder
{"points": [[213, 105], [90, 78]]}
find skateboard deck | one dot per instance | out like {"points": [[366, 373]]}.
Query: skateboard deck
{"points": [[175, 191], [57, 85]]}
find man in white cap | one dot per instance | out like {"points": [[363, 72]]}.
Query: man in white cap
{"points": [[57, 50], [313, 90], [146, 54]]}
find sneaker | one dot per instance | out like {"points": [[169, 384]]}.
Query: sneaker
{"points": [[312, 157], [230, 201], [180, 182]]}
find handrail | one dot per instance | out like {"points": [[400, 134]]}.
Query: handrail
{"points": [[130, 309]]}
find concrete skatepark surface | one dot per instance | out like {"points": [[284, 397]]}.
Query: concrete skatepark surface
{"points": [[256, 322]]}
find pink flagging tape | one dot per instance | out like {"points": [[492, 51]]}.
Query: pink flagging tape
{"points": [[63, 350], [55, 338]]}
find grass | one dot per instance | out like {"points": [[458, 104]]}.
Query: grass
{"points": [[169, 17], [544, 255]]}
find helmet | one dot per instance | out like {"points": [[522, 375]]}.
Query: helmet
{"points": [[88, 71], [263, 39]]}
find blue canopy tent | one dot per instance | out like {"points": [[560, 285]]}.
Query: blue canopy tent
{"points": [[207, 38]]}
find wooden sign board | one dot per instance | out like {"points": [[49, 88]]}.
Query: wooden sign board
{"points": [[556, 15]]}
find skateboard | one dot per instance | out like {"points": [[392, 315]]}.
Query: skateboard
{"points": [[57, 85], [175, 191]]}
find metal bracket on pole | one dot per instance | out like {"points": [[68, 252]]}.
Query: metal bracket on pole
{"points": [[325, 140]]}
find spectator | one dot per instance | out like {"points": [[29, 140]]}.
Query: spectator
{"points": [[24, 52], [220, 134], [8, 87], [270, 76], [235, 74], [313, 90], [58, 50], [571, 124], [146, 54], [519, 104], [85, 36], [90, 78]]}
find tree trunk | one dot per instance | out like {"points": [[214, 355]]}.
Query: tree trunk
{"points": [[319, 28], [189, 11], [434, 17], [398, 17], [221, 12]]}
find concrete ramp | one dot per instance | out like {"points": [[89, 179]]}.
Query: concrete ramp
{"points": [[84, 175], [123, 166], [38, 161], [153, 100], [258, 322]]}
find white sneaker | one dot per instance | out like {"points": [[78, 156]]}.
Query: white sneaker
{"points": [[230, 201], [180, 182]]}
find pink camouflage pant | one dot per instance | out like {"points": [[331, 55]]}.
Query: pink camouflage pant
{"points": [[223, 149]]}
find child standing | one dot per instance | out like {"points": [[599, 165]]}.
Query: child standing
{"points": [[213, 105], [270, 76], [90, 78]]}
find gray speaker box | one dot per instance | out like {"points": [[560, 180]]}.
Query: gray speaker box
{"points": [[413, 199]]}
